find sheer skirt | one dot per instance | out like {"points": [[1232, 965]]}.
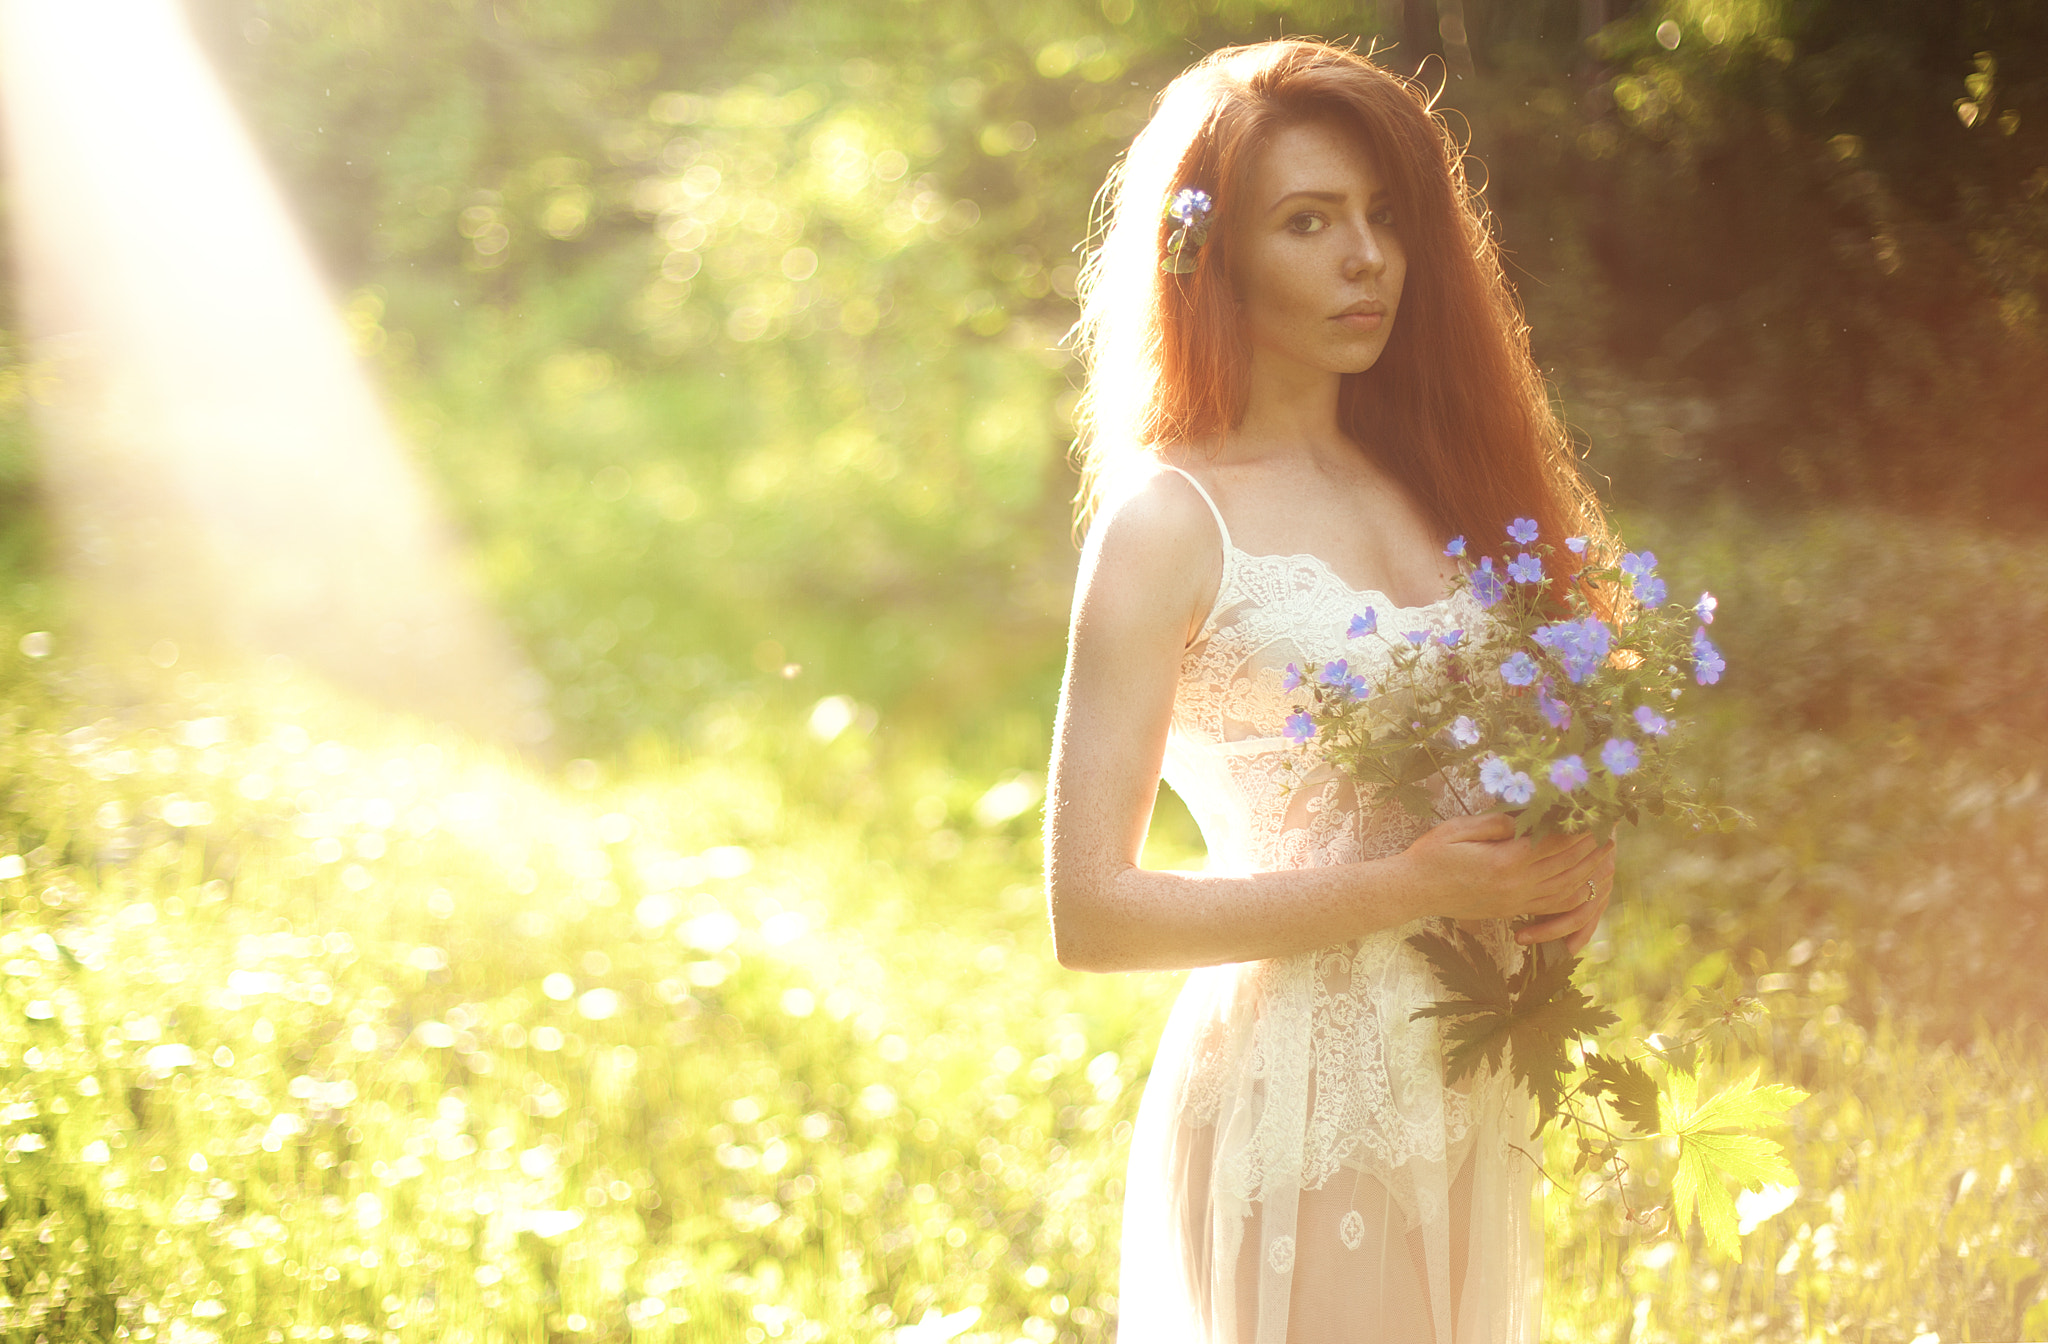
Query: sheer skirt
{"points": [[1433, 1242]]}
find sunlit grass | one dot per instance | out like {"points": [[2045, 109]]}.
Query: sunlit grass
{"points": [[321, 1022]]}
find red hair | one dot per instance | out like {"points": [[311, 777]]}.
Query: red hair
{"points": [[1454, 409]]}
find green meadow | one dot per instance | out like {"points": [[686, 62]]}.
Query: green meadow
{"points": [[320, 1022]]}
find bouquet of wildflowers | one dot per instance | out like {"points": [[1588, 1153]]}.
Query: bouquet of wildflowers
{"points": [[1567, 715]]}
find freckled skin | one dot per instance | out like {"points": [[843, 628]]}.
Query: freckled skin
{"points": [[1315, 235], [1304, 258]]}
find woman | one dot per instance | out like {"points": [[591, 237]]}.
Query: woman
{"points": [[1306, 374]]}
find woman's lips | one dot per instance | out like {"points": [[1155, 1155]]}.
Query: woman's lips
{"points": [[1361, 321]]}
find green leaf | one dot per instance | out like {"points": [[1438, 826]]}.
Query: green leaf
{"points": [[1750, 1160], [1479, 1037], [1464, 967], [1740, 1105], [1709, 1153], [1540, 1031], [1629, 1085]]}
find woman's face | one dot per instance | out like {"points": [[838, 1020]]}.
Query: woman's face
{"points": [[1318, 262]]}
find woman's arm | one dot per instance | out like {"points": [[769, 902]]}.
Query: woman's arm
{"points": [[1147, 579]]}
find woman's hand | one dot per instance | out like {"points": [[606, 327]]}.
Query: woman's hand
{"points": [[1472, 868], [1577, 924]]}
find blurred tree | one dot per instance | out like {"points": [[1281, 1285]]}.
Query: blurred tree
{"points": [[1830, 218], [754, 312]]}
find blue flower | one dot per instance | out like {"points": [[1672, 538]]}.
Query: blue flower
{"points": [[1300, 727], [1557, 711], [1620, 756], [1519, 669], [1292, 679], [1707, 662], [1704, 608], [1525, 568], [1449, 638], [1523, 530], [1416, 637], [1651, 722], [1581, 645], [1487, 587], [1635, 564], [1576, 545], [1456, 546], [1465, 732], [1363, 625], [1495, 775], [1191, 204], [1568, 772], [1357, 689], [1335, 673], [1520, 789]]}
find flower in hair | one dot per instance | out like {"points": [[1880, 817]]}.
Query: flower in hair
{"points": [[1189, 210]]}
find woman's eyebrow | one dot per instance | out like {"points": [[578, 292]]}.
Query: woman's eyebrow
{"points": [[1334, 197]]}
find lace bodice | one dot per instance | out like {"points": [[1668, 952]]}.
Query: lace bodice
{"points": [[1263, 804], [1300, 1170]]}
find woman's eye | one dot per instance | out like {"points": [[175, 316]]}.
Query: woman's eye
{"points": [[1384, 218], [1308, 223]]}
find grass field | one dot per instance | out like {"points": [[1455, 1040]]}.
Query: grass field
{"points": [[317, 1022], [320, 1024]]}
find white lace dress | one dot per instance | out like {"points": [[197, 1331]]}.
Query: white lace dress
{"points": [[1299, 1172]]}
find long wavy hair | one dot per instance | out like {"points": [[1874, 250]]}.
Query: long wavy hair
{"points": [[1455, 408]]}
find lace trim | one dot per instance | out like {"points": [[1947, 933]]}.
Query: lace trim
{"points": [[1317, 1062]]}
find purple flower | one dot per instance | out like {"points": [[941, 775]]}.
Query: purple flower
{"points": [[1357, 689], [1494, 773], [1505, 782], [1580, 645], [1519, 669], [1557, 711], [1335, 673], [1704, 608], [1525, 568], [1456, 546], [1707, 662], [1190, 204], [1415, 637], [1300, 727], [1635, 564], [1650, 590], [1363, 625], [1620, 756], [1651, 722], [1576, 545], [1465, 732], [1522, 530], [1486, 584], [1449, 638], [1292, 679], [1567, 772]]}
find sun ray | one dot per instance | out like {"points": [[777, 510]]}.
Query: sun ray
{"points": [[220, 471]]}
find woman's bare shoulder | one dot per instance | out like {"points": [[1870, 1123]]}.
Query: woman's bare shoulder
{"points": [[1154, 544], [1153, 514]]}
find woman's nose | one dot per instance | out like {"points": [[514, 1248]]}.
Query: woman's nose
{"points": [[1366, 256]]}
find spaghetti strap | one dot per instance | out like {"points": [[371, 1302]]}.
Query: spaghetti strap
{"points": [[1223, 580], [1206, 500]]}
